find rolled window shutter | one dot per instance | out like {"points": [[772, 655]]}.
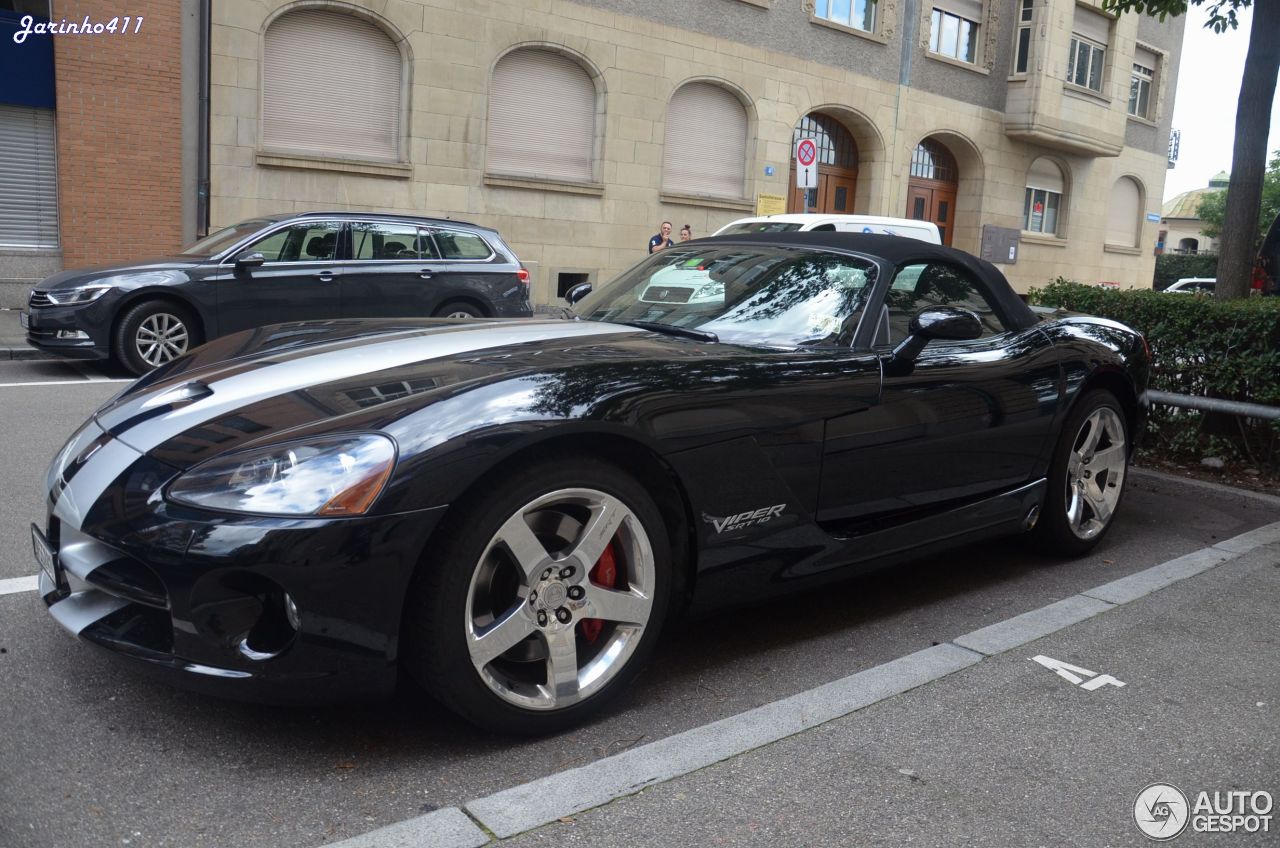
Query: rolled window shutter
{"points": [[970, 9], [1045, 174], [1122, 213], [331, 85], [706, 143], [1146, 58], [542, 117], [1092, 26], [28, 178]]}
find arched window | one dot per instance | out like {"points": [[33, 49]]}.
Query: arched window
{"points": [[1124, 210], [1189, 245], [542, 117], [332, 84], [706, 142], [1045, 189], [835, 146], [932, 161]]}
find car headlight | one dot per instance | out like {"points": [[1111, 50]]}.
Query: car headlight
{"points": [[331, 476], [84, 295]]}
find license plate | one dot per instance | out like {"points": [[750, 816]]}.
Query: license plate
{"points": [[45, 555], [25, 320]]}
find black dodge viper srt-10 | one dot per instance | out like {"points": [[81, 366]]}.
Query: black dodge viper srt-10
{"points": [[509, 510]]}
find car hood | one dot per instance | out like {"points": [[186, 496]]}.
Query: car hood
{"points": [[284, 381], [161, 267]]}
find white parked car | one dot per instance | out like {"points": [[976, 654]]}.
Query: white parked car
{"points": [[816, 221], [1192, 285]]}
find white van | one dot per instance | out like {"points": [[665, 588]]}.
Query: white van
{"points": [[811, 221]]}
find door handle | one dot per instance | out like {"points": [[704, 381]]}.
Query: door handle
{"points": [[426, 273], [324, 276]]}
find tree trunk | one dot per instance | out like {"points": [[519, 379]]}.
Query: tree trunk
{"points": [[1238, 245]]}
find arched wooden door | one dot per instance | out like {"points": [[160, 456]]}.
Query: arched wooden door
{"points": [[837, 165], [932, 187]]}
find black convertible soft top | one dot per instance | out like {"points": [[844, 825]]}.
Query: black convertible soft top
{"points": [[900, 250]]}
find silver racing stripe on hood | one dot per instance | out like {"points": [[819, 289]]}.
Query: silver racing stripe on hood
{"points": [[85, 488], [136, 422]]}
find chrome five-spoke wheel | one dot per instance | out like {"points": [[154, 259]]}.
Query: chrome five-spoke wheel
{"points": [[559, 599], [1095, 473]]}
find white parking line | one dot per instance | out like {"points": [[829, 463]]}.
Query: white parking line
{"points": [[86, 382], [19, 584]]}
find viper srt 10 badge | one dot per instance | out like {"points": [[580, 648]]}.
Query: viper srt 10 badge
{"points": [[750, 518]]}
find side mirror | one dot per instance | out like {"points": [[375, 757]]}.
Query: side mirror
{"points": [[577, 293], [948, 323], [250, 260]]}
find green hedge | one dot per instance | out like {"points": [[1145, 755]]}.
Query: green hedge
{"points": [[1171, 267], [1200, 345]]}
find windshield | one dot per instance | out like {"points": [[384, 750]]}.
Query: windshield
{"points": [[215, 243], [769, 295], [758, 227]]}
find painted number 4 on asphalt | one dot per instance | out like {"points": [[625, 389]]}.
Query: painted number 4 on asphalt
{"points": [[1076, 675]]}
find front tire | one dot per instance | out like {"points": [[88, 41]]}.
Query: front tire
{"points": [[1086, 477], [152, 333], [544, 600]]}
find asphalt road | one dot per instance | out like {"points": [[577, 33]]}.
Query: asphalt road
{"points": [[94, 754]]}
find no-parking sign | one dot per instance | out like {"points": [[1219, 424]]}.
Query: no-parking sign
{"points": [[807, 163]]}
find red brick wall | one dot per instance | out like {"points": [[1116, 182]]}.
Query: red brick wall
{"points": [[119, 101]]}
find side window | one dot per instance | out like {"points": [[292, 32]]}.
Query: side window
{"points": [[923, 285], [377, 241], [310, 242], [458, 245]]}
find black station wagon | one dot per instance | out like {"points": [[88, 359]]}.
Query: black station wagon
{"points": [[313, 266]]}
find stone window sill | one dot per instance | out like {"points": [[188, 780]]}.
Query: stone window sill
{"points": [[957, 63], [1146, 122], [542, 184], [1041, 239], [1084, 93], [848, 30], [763, 4], [734, 203], [1122, 249], [309, 162]]}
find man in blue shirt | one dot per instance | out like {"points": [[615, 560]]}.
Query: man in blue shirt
{"points": [[662, 239]]}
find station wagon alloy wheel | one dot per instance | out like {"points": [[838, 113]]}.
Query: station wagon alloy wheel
{"points": [[559, 599], [1095, 473], [161, 337]]}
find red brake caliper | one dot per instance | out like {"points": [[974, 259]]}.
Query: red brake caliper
{"points": [[604, 573]]}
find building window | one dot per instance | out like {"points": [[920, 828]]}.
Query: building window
{"points": [[1141, 83], [1090, 33], [1084, 67], [542, 117], [712, 121], [858, 14], [28, 178], [1124, 213], [932, 161], [1023, 53], [835, 146], [1140, 90], [955, 35], [1045, 188], [332, 84]]}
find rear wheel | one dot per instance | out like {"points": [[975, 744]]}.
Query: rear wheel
{"points": [[152, 333], [1086, 477], [545, 599], [458, 309]]}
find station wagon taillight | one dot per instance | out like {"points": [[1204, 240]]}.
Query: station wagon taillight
{"points": [[522, 275]]}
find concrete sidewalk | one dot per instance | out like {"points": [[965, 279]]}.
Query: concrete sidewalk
{"points": [[1040, 730], [13, 339]]}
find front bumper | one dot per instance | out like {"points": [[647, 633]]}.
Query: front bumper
{"points": [[205, 598], [91, 319]]}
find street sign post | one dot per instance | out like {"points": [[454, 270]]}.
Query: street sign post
{"points": [[806, 163]]}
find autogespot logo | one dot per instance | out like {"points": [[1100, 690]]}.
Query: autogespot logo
{"points": [[1161, 811]]}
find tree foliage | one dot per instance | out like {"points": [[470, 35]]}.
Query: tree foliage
{"points": [[1213, 206]]}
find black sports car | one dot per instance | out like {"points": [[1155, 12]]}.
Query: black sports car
{"points": [[510, 510]]}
